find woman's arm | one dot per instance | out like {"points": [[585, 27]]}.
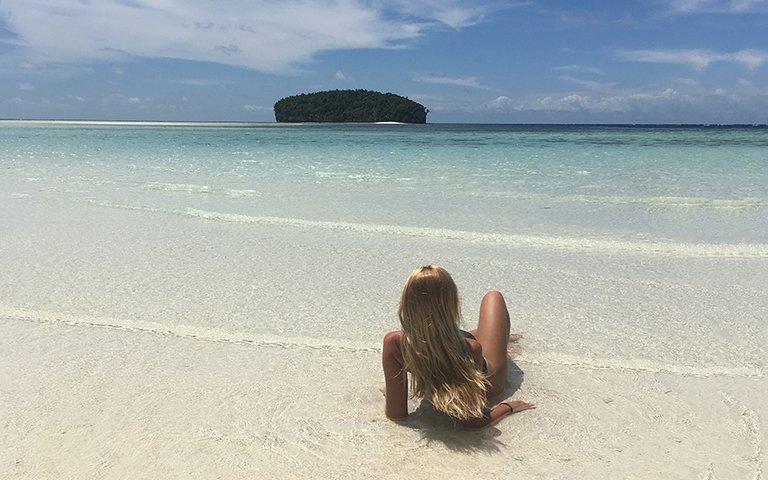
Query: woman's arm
{"points": [[395, 376], [497, 413]]}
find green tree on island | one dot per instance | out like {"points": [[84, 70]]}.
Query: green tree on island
{"points": [[344, 106]]}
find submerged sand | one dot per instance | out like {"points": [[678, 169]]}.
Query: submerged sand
{"points": [[139, 344]]}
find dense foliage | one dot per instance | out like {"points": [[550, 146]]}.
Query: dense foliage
{"points": [[349, 106]]}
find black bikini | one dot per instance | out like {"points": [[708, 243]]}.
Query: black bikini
{"points": [[472, 337]]}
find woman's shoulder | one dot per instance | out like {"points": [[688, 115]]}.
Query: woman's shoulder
{"points": [[393, 338], [393, 346]]}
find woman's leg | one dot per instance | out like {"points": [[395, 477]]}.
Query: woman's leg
{"points": [[493, 334]]}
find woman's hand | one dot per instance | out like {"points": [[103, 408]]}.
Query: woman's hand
{"points": [[518, 406], [495, 414]]}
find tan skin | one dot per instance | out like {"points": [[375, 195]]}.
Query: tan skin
{"points": [[492, 336]]}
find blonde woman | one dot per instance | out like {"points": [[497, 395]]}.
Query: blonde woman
{"points": [[457, 371]]}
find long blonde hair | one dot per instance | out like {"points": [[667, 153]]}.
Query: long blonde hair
{"points": [[435, 352]]}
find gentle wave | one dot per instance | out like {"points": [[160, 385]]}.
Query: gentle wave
{"points": [[574, 244], [640, 365], [184, 331], [192, 188], [663, 201], [179, 187], [635, 365]]}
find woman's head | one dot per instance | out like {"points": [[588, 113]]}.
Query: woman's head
{"points": [[429, 303], [434, 349]]}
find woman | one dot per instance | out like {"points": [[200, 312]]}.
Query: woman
{"points": [[456, 371]]}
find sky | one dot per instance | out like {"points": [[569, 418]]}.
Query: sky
{"points": [[495, 61]]}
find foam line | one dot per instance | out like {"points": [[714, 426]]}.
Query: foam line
{"points": [[663, 201], [548, 359], [179, 187], [205, 189], [573, 244], [639, 365], [185, 331]]}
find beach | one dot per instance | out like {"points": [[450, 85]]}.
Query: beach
{"points": [[208, 302]]}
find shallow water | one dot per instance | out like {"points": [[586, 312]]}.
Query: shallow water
{"points": [[633, 259]]}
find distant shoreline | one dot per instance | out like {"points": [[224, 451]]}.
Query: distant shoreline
{"points": [[224, 123]]}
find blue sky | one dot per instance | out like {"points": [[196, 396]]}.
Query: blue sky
{"points": [[644, 61]]}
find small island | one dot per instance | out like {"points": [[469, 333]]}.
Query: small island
{"points": [[343, 106]]}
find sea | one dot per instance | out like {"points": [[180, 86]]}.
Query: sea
{"points": [[192, 215], [675, 186]]}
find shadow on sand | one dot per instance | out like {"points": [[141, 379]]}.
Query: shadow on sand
{"points": [[435, 426]]}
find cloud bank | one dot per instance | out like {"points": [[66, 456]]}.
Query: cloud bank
{"points": [[655, 106], [264, 35]]}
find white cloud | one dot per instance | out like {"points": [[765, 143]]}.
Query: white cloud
{"points": [[578, 69], [259, 34], [659, 106], [749, 58], [472, 82], [121, 99], [717, 6], [453, 13], [501, 102], [699, 59], [588, 84], [200, 82], [688, 82], [341, 76], [256, 108], [26, 87], [618, 103], [16, 100], [569, 103]]}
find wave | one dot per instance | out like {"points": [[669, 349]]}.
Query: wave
{"points": [[634, 365], [192, 188], [664, 201], [640, 365], [179, 187], [572, 244], [183, 331]]}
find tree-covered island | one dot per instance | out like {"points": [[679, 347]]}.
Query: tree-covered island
{"points": [[343, 106]]}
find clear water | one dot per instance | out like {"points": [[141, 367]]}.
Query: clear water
{"points": [[683, 184], [614, 243]]}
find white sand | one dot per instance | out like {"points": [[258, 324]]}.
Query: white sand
{"points": [[141, 344]]}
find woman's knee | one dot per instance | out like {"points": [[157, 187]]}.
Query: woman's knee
{"points": [[494, 297], [493, 304]]}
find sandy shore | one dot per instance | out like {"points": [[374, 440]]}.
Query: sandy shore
{"points": [[86, 402], [139, 344]]}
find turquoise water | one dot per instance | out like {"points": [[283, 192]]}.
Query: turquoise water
{"points": [[617, 246], [679, 184]]}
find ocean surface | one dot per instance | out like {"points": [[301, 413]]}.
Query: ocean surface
{"points": [[632, 185], [656, 193], [208, 300]]}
